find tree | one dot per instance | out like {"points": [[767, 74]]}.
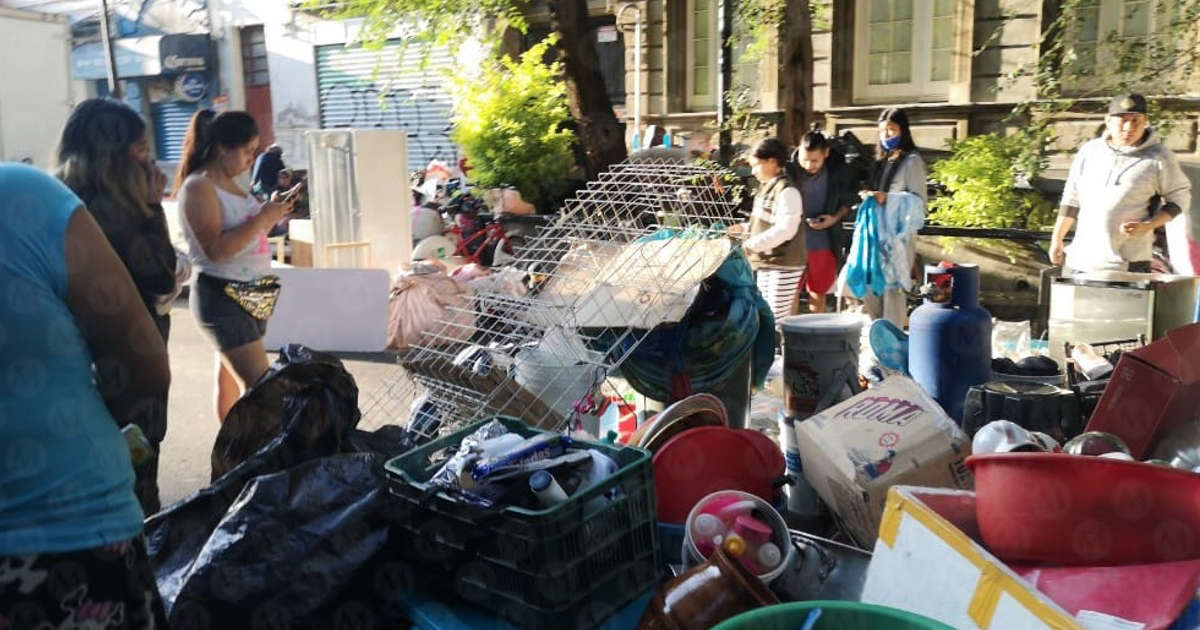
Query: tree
{"points": [[508, 120], [601, 134], [451, 22], [757, 25], [796, 58]]}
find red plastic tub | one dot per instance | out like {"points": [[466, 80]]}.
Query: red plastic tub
{"points": [[1072, 510]]}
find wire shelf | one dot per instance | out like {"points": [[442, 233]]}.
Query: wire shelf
{"points": [[628, 253]]}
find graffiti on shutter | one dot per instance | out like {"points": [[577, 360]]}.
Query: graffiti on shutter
{"points": [[389, 89]]}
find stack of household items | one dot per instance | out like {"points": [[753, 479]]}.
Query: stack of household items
{"points": [[958, 487]]}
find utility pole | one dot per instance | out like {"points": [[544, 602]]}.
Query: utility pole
{"points": [[110, 58]]}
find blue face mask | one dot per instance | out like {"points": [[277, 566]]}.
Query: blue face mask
{"points": [[890, 143]]}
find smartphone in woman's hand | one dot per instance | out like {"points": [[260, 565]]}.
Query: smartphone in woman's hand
{"points": [[294, 192]]}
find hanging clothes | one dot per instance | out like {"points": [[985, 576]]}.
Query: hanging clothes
{"points": [[902, 216], [884, 245], [863, 272]]}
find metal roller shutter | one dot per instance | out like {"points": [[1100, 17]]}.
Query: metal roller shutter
{"points": [[171, 120], [362, 88]]}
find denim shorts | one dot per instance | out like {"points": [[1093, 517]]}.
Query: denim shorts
{"points": [[225, 322]]}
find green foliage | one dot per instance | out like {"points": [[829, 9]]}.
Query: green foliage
{"points": [[508, 119], [427, 23], [755, 23], [744, 121], [980, 178]]}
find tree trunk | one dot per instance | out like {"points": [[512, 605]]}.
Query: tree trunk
{"points": [[796, 63], [511, 43], [601, 135]]}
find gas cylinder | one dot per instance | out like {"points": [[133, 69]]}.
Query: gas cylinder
{"points": [[950, 336]]}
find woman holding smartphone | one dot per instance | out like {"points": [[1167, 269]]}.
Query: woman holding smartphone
{"points": [[104, 158], [226, 231]]}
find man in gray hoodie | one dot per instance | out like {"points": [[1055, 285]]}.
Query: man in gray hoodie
{"points": [[1121, 187]]}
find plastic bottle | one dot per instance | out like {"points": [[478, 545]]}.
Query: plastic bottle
{"points": [[545, 487], [499, 444], [140, 451], [707, 526], [769, 556], [734, 545]]}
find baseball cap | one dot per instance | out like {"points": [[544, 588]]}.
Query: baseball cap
{"points": [[1130, 103]]}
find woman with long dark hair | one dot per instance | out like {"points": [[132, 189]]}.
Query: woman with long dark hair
{"points": [[104, 158], [226, 230], [898, 169]]}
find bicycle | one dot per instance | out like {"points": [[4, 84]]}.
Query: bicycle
{"points": [[482, 246]]}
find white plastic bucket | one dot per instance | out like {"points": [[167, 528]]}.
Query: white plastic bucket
{"points": [[820, 361], [780, 536]]}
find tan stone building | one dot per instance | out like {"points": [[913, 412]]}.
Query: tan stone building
{"points": [[945, 61]]}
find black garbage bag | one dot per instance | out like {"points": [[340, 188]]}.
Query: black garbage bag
{"points": [[293, 535], [320, 407], [306, 393], [290, 551]]}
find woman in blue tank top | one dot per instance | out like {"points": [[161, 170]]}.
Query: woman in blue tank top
{"points": [[70, 525]]}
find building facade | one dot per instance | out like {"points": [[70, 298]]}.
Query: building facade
{"points": [[945, 61]]}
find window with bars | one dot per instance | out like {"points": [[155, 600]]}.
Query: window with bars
{"points": [[254, 56], [703, 50], [1131, 23], [703, 41], [942, 52], [908, 48]]}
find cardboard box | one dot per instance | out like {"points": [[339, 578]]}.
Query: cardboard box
{"points": [[891, 434], [927, 561], [1153, 390]]}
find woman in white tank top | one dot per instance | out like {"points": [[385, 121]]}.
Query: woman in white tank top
{"points": [[226, 232]]}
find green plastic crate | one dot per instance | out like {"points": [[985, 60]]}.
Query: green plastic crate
{"points": [[569, 566]]}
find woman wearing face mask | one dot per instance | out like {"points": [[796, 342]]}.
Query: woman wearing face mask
{"points": [[226, 230], [104, 158], [898, 169]]}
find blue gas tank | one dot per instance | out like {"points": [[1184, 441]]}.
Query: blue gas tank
{"points": [[950, 336]]}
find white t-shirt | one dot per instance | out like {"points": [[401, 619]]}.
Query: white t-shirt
{"points": [[254, 261]]}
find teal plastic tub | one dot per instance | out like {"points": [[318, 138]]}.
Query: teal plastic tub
{"points": [[834, 616], [569, 566]]}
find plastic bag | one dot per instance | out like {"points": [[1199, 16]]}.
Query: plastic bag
{"points": [[469, 272], [426, 222], [320, 400], [429, 303], [507, 201], [503, 281], [288, 550], [307, 394], [447, 475], [283, 509], [1011, 339]]}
